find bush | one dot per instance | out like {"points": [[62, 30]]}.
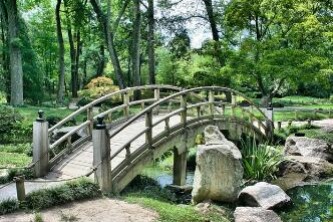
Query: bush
{"points": [[45, 198], [96, 88], [8, 206], [10, 121], [260, 161], [70, 191]]}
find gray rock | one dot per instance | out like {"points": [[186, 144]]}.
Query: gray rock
{"points": [[255, 214], [316, 167], [219, 171], [264, 195], [308, 147]]}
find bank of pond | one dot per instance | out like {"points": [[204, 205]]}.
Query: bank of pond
{"points": [[310, 203]]}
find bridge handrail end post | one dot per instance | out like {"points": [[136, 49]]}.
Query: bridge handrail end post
{"points": [[40, 144]]}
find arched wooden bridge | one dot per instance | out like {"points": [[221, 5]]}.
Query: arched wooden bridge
{"points": [[139, 131]]}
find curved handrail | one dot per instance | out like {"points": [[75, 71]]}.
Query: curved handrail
{"points": [[108, 96], [185, 92], [87, 108]]}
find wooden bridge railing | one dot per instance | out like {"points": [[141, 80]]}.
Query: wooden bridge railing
{"points": [[189, 113], [64, 144]]}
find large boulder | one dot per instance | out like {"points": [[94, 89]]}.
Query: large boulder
{"points": [[265, 195], [308, 147], [255, 214], [219, 171]]}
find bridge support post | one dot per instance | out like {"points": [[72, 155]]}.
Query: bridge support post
{"points": [[101, 156], [179, 167], [40, 143]]}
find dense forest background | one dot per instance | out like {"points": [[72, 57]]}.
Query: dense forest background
{"points": [[50, 50]]}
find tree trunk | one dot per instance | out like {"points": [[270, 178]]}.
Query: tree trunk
{"points": [[136, 45], [151, 42], [101, 61], [77, 61], [72, 56], [108, 35], [61, 81], [215, 33], [16, 72], [5, 56], [266, 100]]}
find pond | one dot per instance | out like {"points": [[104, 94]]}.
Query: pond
{"points": [[311, 203]]}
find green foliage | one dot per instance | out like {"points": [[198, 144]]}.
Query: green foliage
{"points": [[23, 148], [8, 206], [145, 191], [9, 160], [38, 217], [260, 161], [11, 125], [96, 88], [70, 191]]}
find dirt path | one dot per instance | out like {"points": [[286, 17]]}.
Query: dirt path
{"points": [[100, 210]]}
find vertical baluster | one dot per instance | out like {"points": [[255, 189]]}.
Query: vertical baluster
{"points": [[128, 150], [223, 110], [167, 125], [90, 117], [149, 132], [157, 98], [183, 114], [198, 111], [211, 103], [126, 103]]}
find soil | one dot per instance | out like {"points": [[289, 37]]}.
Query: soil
{"points": [[100, 210]]}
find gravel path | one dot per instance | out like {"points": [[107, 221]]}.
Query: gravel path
{"points": [[101, 210]]}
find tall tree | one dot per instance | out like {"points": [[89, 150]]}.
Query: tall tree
{"points": [[215, 33], [104, 20], [61, 80], [136, 33], [15, 55], [151, 41]]}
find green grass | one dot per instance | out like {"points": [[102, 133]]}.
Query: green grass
{"points": [[12, 160], [301, 101], [30, 112], [281, 115], [170, 212]]}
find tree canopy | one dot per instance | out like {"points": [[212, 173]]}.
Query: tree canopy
{"points": [[49, 50]]}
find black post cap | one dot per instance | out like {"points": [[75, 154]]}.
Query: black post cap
{"points": [[270, 106], [40, 116], [100, 123]]}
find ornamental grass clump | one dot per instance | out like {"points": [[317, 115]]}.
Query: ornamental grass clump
{"points": [[260, 161]]}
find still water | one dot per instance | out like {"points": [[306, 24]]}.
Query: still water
{"points": [[311, 203]]}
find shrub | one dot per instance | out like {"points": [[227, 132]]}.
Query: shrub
{"points": [[8, 206], [10, 121], [45, 198], [70, 191], [260, 161], [96, 88]]}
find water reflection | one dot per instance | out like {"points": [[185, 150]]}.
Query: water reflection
{"points": [[311, 204]]}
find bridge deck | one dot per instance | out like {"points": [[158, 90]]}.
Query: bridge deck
{"points": [[80, 161]]}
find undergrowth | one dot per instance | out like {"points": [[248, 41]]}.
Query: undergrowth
{"points": [[71, 191], [260, 161], [148, 193]]}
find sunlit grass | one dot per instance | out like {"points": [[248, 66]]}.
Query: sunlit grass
{"points": [[10, 160]]}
